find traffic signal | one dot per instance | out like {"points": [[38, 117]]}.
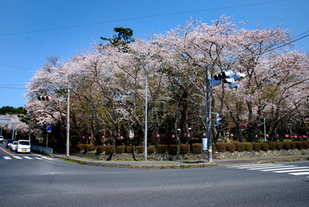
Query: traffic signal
{"points": [[218, 119], [44, 98], [230, 78]]}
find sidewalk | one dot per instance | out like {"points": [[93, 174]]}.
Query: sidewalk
{"points": [[181, 164]]}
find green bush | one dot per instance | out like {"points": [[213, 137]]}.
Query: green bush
{"points": [[162, 148], [173, 149], [305, 144], [286, 145], [100, 149], [89, 147], [240, 147], [230, 147], [151, 149], [221, 147], [272, 145], [264, 146], [279, 145], [110, 149], [140, 149], [256, 146], [197, 148], [299, 145], [248, 146], [120, 149], [130, 149], [80, 147], [293, 145], [184, 148]]}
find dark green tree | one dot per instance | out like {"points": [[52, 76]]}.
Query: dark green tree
{"points": [[123, 36]]}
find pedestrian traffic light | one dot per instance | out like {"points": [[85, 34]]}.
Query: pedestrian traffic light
{"points": [[44, 98], [218, 119]]}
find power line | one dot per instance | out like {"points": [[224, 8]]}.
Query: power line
{"points": [[13, 66], [142, 17], [280, 46], [11, 87]]}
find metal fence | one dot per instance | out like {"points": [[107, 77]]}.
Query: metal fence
{"points": [[42, 149]]}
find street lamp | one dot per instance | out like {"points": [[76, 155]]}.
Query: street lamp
{"points": [[146, 84]]}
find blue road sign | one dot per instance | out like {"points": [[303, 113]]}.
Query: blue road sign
{"points": [[49, 128]]}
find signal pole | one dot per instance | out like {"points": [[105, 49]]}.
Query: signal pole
{"points": [[68, 123], [208, 114]]}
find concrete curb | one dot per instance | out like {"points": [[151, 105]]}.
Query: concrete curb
{"points": [[180, 164]]}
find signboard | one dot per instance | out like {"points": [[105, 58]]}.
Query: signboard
{"points": [[213, 82], [130, 132], [49, 128], [5, 120], [205, 146]]}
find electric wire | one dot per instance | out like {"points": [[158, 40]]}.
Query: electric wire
{"points": [[142, 17]]}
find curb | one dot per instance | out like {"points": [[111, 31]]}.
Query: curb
{"points": [[180, 164]]}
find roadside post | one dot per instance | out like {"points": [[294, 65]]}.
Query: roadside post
{"points": [[48, 128]]}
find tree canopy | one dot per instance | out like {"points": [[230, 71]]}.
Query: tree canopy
{"points": [[108, 84]]}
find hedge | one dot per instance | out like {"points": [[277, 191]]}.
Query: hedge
{"points": [[162, 148], [151, 149], [120, 149], [140, 149], [299, 145], [264, 146], [80, 147], [240, 147], [230, 147], [293, 145], [184, 148], [197, 148], [100, 149], [306, 144], [110, 149], [272, 145], [173, 149], [89, 147], [256, 146], [221, 147], [248, 146], [130, 149], [286, 145], [279, 145]]}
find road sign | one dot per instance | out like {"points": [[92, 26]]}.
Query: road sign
{"points": [[5, 120], [205, 146], [49, 128], [213, 82]]}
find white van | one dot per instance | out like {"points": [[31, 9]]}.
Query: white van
{"points": [[23, 146]]}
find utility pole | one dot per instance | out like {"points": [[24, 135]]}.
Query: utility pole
{"points": [[208, 113], [68, 123], [146, 114]]}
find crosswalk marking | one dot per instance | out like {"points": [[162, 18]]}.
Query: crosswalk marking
{"points": [[288, 171], [300, 173], [276, 168], [27, 157]]}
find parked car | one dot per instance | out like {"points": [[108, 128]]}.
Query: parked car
{"points": [[13, 146], [23, 146], [9, 142], [1, 139]]}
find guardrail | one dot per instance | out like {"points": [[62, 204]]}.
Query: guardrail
{"points": [[42, 149]]}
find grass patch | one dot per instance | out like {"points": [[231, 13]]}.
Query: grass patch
{"points": [[73, 161]]}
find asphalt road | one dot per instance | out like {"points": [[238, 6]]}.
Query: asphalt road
{"points": [[53, 182]]}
